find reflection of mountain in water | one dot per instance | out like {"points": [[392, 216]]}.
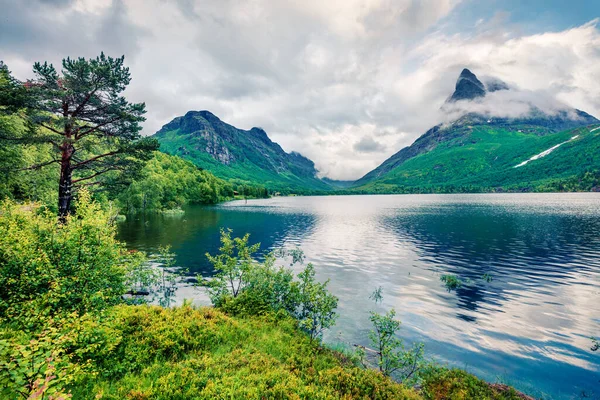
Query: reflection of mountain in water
{"points": [[195, 233], [521, 251]]}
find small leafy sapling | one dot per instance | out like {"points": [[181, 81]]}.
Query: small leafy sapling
{"points": [[391, 356], [244, 285], [232, 266], [168, 277], [315, 305]]}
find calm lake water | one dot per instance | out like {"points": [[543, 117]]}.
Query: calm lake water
{"points": [[529, 327]]}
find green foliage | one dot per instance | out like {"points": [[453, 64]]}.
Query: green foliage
{"points": [[169, 182], [13, 95], [188, 353], [391, 356], [47, 267], [243, 286], [37, 366], [233, 265], [315, 306], [452, 282], [440, 383], [15, 180]]}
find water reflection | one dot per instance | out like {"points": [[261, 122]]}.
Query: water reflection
{"points": [[196, 232], [529, 326]]}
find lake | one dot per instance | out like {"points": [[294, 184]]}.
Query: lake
{"points": [[529, 326]]}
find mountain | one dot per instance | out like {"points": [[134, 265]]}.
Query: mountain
{"points": [[236, 154], [468, 87], [478, 152]]}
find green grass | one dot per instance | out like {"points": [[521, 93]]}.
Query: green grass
{"points": [[149, 352], [187, 353]]}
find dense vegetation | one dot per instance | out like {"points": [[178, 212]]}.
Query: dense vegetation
{"points": [[482, 158], [169, 182], [116, 166], [92, 131]]}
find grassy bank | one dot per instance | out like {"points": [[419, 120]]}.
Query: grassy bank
{"points": [[149, 352]]}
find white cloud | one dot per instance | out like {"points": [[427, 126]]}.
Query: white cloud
{"points": [[317, 76]]}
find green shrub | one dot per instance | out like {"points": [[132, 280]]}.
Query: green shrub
{"points": [[47, 267], [245, 286], [202, 353], [453, 384], [391, 356]]}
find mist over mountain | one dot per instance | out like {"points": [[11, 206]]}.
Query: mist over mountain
{"points": [[482, 121]]}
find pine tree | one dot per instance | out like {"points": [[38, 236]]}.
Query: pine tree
{"points": [[93, 129]]}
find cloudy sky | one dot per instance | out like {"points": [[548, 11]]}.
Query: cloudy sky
{"points": [[345, 82]]}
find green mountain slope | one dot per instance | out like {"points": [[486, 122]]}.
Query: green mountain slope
{"points": [[484, 158], [236, 154], [478, 152]]}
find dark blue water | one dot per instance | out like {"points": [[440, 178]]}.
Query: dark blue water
{"points": [[530, 326]]}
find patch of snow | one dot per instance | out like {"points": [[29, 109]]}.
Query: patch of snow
{"points": [[545, 153]]}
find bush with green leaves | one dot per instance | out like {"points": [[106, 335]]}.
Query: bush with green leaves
{"points": [[454, 384], [48, 267], [185, 352], [243, 285], [315, 306], [36, 365], [392, 359]]}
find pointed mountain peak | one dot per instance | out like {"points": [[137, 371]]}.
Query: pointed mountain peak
{"points": [[468, 87]]}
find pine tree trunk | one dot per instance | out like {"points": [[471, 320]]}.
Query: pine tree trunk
{"points": [[65, 186]]}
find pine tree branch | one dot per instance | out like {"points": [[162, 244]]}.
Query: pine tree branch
{"points": [[84, 102], [38, 166], [50, 128], [95, 175], [95, 128], [82, 163]]}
